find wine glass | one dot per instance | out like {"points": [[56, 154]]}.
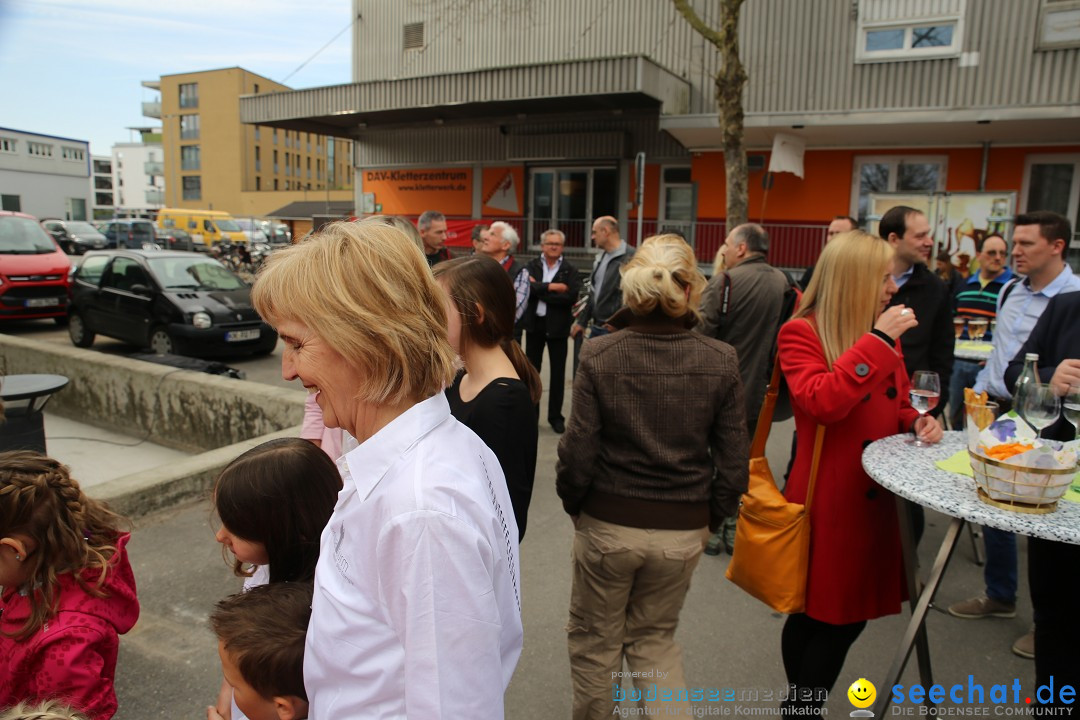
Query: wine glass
{"points": [[977, 328], [1070, 407], [1041, 406], [925, 394], [958, 326]]}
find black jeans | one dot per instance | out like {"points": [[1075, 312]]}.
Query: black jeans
{"points": [[1054, 579], [814, 654], [535, 341]]}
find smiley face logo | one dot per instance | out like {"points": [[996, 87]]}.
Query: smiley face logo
{"points": [[862, 693]]}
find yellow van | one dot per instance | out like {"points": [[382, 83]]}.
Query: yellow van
{"points": [[209, 226]]}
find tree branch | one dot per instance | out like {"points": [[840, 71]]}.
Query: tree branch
{"points": [[696, 22]]}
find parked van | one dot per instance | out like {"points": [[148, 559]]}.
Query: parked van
{"points": [[212, 226]]}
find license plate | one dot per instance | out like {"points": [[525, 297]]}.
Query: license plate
{"points": [[240, 335], [42, 302]]}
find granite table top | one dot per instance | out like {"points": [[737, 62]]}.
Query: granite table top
{"points": [[910, 472]]}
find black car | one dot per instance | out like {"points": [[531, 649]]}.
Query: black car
{"points": [[177, 239], [173, 302], [134, 234], [74, 236]]}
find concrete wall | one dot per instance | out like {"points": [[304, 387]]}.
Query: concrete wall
{"points": [[43, 195], [182, 409]]}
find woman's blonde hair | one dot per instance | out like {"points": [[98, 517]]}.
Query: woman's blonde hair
{"points": [[72, 532], [658, 276], [366, 290], [48, 710], [845, 291]]}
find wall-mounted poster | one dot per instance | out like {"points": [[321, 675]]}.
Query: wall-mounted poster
{"points": [[959, 220]]}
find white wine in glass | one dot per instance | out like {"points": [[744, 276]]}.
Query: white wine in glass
{"points": [[1070, 407], [925, 394]]}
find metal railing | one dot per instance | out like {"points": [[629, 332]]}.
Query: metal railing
{"points": [[151, 110]]}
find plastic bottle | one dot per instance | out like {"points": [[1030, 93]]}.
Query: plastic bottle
{"points": [[1030, 376]]}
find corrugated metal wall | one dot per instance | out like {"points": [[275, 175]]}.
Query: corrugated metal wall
{"points": [[800, 54], [442, 145]]}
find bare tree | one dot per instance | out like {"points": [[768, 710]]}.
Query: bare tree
{"points": [[730, 81]]}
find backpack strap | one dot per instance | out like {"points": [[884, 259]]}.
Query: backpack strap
{"points": [[1005, 291]]}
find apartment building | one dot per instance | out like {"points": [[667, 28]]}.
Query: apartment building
{"points": [[44, 175], [486, 110], [139, 176], [102, 205], [213, 161]]}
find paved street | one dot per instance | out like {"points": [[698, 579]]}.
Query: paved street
{"points": [[169, 669]]}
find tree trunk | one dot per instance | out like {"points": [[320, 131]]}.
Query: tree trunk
{"points": [[730, 82]]}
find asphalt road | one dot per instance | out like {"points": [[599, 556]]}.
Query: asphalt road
{"points": [[168, 666]]}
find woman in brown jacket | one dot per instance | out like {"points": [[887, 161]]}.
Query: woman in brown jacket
{"points": [[655, 454]]}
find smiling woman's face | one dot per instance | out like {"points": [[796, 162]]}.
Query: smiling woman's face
{"points": [[323, 371]]}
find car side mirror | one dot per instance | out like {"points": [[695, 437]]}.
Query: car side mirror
{"points": [[140, 289]]}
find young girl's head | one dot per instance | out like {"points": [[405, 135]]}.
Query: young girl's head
{"points": [[48, 527], [274, 501], [480, 310]]}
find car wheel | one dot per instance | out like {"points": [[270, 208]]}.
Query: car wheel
{"points": [[162, 343], [71, 248], [80, 333]]}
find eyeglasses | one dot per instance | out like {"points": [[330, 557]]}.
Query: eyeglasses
{"points": [[552, 244], [1002, 253]]}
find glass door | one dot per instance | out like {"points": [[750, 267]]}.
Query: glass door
{"points": [[569, 199], [1052, 182]]}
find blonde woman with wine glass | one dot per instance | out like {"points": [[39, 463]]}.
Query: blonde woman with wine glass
{"points": [[842, 361]]}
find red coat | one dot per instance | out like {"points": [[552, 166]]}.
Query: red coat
{"points": [[73, 656], [856, 568]]}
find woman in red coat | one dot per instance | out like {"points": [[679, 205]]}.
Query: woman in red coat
{"points": [[850, 378]]}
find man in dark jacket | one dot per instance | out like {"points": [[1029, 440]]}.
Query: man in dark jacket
{"points": [[605, 297], [553, 288], [1051, 565], [929, 345]]}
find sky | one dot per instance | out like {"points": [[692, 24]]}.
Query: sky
{"points": [[74, 68]]}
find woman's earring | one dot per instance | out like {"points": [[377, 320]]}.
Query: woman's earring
{"points": [[18, 557]]}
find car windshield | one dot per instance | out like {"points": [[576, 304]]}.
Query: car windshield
{"points": [[244, 224], [23, 236], [193, 273], [81, 227], [227, 225]]}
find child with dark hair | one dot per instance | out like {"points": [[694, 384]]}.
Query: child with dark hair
{"points": [[261, 637], [496, 394], [273, 502], [68, 589]]}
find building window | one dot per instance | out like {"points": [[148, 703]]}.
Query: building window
{"points": [[189, 157], [189, 95], [39, 149], [256, 132], [275, 136], [894, 174], [1059, 25], [258, 160], [309, 142], [256, 88], [9, 145], [10, 203], [898, 30], [258, 183], [189, 127], [192, 187], [318, 169], [413, 36], [275, 183], [288, 139], [76, 209], [71, 153]]}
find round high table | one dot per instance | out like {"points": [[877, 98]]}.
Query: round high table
{"points": [[911, 474], [24, 398]]}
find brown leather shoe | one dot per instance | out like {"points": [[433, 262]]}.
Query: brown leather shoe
{"points": [[982, 606], [1025, 645]]}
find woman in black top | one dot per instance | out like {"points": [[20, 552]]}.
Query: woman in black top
{"points": [[496, 394]]}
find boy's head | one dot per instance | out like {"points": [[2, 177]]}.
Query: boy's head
{"points": [[261, 643]]}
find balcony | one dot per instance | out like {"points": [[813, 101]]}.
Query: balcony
{"points": [[154, 167], [152, 110], [155, 196]]}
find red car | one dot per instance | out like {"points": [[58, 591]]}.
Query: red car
{"points": [[33, 271]]}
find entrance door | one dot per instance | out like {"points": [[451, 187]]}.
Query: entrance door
{"points": [[569, 199]]}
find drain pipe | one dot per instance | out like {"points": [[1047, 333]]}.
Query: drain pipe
{"points": [[985, 166]]}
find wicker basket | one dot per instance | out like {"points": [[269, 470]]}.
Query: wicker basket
{"points": [[1022, 489]]}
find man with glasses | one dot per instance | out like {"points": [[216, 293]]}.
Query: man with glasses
{"points": [[977, 298], [553, 288]]}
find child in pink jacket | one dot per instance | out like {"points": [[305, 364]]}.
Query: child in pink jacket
{"points": [[68, 589]]}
